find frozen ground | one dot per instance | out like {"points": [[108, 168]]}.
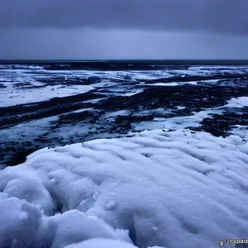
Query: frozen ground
{"points": [[36, 84], [153, 166], [43, 106]]}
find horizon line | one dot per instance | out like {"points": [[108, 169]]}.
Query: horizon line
{"points": [[145, 61]]}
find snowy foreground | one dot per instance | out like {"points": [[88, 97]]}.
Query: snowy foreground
{"points": [[156, 188]]}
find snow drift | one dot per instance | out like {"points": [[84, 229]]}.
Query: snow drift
{"points": [[156, 188]]}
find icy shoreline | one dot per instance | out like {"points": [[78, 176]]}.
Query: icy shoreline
{"points": [[170, 189], [65, 106]]}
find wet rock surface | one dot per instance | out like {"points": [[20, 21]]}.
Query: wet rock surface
{"points": [[119, 103]]}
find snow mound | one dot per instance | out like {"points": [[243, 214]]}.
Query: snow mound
{"points": [[24, 226], [97, 243], [156, 188], [19, 223]]}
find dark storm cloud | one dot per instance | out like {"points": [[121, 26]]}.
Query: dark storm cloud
{"points": [[228, 16], [85, 43], [118, 29]]}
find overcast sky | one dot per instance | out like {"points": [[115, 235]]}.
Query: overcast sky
{"points": [[124, 29]]}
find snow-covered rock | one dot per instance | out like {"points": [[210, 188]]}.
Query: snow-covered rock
{"points": [[160, 188]]}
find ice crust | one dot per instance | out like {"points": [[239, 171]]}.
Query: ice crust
{"points": [[156, 188]]}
